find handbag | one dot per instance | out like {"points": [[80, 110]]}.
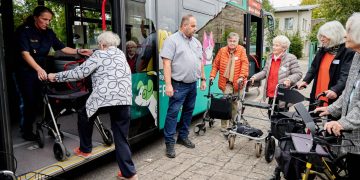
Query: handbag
{"points": [[220, 108]]}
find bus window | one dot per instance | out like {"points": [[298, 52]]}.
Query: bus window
{"points": [[87, 26], [140, 29], [167, 22]]}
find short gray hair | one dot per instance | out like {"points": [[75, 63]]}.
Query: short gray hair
{"points": [[108, 38], [333, 30], [130, 43], [353, 28], [282, 40], [233, 34]]}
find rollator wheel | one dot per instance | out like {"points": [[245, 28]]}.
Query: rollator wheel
{"points": [[107, 137], [59, 151], [198, 127], [202, 130], [40, 137], [231, 139], [258, 149], [269, 149]]}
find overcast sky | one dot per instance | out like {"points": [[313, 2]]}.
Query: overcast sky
{"points": [[280, 3]]}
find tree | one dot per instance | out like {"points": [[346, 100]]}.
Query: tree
{"points": [[338, 9], [316, 13], [296, 45]]}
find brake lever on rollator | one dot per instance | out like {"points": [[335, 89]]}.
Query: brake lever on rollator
{"points": [[210, 84]]}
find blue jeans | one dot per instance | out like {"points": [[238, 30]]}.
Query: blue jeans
{"points": [[185, 96]]}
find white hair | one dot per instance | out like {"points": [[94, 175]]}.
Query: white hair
{"points": [[353, 28], [233, 34], [108, 38], [334, 31], [283, 41]]}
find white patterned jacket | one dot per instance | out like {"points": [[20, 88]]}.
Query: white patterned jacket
{"points": [[110, 75]]}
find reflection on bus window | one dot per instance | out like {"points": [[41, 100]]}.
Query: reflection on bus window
{"points": [[131, 55], [147, 50], [140, 28]]}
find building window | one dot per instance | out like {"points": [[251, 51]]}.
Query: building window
{"points": [[304, 24], [289, 22]]}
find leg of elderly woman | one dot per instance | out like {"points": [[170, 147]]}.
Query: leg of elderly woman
{"points": [[120, 122], [85, 128]]}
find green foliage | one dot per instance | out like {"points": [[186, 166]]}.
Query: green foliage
{"points": [[333, 9], [296, 45], [22, 10], [338, 9], [316, 13], [314, 31], [267, 6]]}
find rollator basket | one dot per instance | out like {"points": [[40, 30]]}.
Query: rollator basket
{"points": [[220, 108], [281, 124]]}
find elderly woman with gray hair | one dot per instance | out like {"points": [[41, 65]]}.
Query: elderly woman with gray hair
{"points": [[111, 93], [347, 107], [330, 67], [280, 68]]}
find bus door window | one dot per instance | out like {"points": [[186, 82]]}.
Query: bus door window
{"points": [[140, 29], [142, 57]]}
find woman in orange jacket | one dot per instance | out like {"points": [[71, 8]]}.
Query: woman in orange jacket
{"points": [[233, 66]]}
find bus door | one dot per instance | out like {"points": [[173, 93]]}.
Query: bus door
{"points": [[141, 53]]}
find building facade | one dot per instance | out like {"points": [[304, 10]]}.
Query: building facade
{"points": [[293, 19]]}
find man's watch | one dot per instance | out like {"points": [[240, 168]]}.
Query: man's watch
{"points": [[203, 79]]}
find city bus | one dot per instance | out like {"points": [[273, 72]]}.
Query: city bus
{"points": [[145, 24]]}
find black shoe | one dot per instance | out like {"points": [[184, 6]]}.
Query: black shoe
{"points": [[170, 150], [276, 175], [29, 137], [186, 142]]}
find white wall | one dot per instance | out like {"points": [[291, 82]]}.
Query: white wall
{"points": [[298, 24]]}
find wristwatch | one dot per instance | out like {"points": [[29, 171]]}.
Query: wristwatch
{"points": [[203, 79]]}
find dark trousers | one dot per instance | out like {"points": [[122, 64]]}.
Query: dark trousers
{"points": [[31, 89], [185, 96], [120, 123]]}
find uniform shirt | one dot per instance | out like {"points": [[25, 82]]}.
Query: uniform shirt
{"points": [[37, 43], [185, 55], [110, 76]]}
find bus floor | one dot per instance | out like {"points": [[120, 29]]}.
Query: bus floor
{"points": [[32, 160]]}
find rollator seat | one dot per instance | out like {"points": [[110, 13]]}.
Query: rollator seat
{"points": [[256, 104], [69, 96]]}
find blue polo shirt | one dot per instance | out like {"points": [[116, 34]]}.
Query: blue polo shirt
{"points": [[185, 55], [37, 43]]}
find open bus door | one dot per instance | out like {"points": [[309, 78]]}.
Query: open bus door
{"points": [[255, 22], [6, 150]]}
